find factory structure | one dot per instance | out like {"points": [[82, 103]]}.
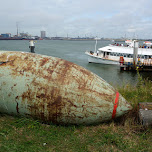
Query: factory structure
{"points": [[22, 36]]}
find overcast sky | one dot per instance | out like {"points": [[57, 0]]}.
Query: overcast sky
{"points": [[102, 18]]}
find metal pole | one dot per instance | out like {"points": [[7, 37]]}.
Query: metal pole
{"points": [[96, 46], [135, 52]]}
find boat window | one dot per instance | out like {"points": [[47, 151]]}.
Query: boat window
{"points": [[128, 55], [149, 57], [146, 57], [108, 53], [111, 53], [125, 55], [142, 56], [114, 54]]}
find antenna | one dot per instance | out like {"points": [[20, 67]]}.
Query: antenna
{"points": [[17, 28]]}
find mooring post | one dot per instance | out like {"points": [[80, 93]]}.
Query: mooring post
{"points": [[135, 52], [31, 46]]}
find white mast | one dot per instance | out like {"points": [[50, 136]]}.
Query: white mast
{"points": [[17, 28], [96, 45]]}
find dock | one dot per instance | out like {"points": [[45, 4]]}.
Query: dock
{"points": [[133, 67], [137, 63]]}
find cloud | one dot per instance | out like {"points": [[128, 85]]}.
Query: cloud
{"points": [[61, 17]]}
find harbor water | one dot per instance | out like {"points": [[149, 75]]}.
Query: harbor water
{"points": [[74, 51]]}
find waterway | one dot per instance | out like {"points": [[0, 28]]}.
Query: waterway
{"points": [[74, 51]]}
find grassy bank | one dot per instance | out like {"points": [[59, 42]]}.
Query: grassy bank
{"points": [[126, 134]]}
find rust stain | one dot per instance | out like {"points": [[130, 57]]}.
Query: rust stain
{"points": [[26, 58], [9, 94], [40, 96], [17, 108], [17, 97], [55, 109], [71, 104], [84, 71], [43, 61], [3, 57], [56, 102], [4, 83], [47, 99]]}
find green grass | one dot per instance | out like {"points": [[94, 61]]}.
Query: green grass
{"points": [[27, 135], [142, 92], [19, 134]]}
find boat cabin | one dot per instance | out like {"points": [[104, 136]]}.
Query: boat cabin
{"points": [[116, 52]]}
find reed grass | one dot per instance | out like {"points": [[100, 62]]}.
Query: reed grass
{"points": [[141, 92]]}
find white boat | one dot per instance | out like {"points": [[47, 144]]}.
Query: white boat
{"points": [[115, 53]]}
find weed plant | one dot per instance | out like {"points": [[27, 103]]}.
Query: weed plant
{"points": [[141, 92]]}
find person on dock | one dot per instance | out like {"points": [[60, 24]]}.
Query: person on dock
{"points": [[31, 46]]}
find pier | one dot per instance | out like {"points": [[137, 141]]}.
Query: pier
{"points": [[137, 63], [140, 66]]}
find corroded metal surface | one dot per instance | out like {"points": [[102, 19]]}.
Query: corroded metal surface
{"points": [[55, 90]]}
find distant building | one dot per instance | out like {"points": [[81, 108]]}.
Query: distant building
{"points": [[43, 34], [24, 35], [6, 35]]}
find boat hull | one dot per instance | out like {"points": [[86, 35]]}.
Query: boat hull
{"points": [[97, 59], [92, 59], [55, 91]]}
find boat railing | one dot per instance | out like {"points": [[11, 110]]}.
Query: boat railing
{"points": [[126, 45], [120, 45]]}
